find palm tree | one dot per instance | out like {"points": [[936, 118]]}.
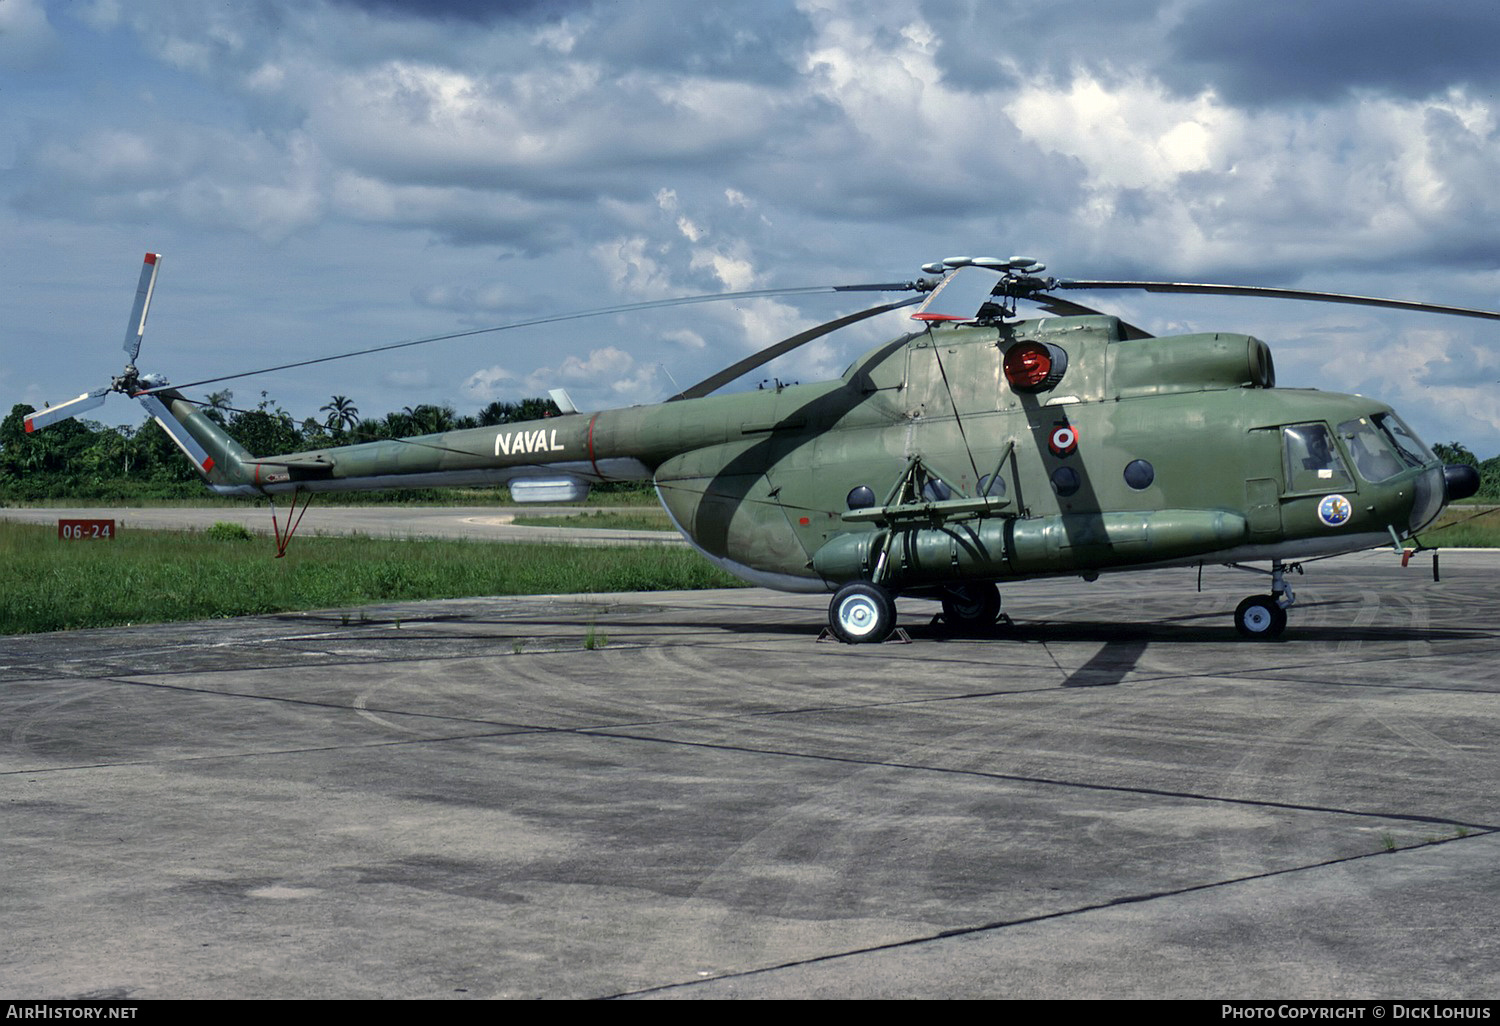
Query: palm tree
{"points": [[343, 415], [220, 406], [428, 419]]}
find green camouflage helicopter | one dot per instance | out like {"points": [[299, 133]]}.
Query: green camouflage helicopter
{"points": [[976, 449]]}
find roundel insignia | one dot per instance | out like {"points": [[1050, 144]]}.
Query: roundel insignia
{"points": [[1335, 510], [1063, 440]]}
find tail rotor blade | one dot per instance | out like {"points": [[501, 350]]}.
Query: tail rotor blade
{"points": [[174, 429], [62, 411], [137, 325]]}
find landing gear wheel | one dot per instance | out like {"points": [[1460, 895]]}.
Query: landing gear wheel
{"points": [[861, 612], [970, 607], [1260, 617]]}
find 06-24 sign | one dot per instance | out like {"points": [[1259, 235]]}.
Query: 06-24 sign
{"points": [[78, 530]]}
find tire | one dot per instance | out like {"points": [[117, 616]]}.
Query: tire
{"points": [[861, 613], [1260, 618], [970, 607]]}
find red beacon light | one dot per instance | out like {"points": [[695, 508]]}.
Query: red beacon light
{"points": [[1034, 366]]}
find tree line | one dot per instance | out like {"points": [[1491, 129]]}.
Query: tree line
{"points": [[83, 459], [1489, 470]]}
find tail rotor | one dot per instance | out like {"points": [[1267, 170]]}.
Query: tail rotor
{"points": [[130, 382]]}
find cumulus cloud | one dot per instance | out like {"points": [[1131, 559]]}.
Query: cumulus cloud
{"points": [[489, 384], [606, 375], [390, 168]]}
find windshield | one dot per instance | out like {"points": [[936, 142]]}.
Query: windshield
{"points": [[1382, 447], [1408, 446]]}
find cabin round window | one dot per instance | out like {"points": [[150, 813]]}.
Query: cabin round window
{"points": [[1139, 474], [936, 490], [992, 487], [1065, 481]]}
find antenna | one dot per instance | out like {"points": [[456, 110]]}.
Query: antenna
{"points": [[675, 389]]}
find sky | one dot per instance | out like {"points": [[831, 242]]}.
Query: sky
{"points": [[323, 176]]}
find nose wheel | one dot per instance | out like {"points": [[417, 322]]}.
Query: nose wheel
{"points": [[1259, 617], [1262, 617]]}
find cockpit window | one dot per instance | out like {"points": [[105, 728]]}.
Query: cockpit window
{"points": [[1408, 446], [1313, 464], [1382, 446], [1374, 456]]}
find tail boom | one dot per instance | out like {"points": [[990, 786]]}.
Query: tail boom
{"points": [[549, 460]]}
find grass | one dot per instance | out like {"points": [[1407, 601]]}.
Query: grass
{"points": [[1462, 527], [163, 576], [636, 520]]}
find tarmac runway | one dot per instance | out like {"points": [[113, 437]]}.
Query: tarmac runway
{"points": [[684, 795]]}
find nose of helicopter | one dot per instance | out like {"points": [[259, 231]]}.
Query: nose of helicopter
{"points": [[1459, 481], [1435, 488]]}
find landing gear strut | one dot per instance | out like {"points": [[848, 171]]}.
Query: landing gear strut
{"points": [[1262, 617]]}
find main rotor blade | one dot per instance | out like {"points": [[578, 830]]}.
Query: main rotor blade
{"points": [[137, 325], [920, 285], [1274, 293], [1068, 308], [62, 411], [650, 304], [716, 381]]}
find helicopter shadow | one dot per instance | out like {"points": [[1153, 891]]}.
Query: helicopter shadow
{"points": [[1166, 633]]}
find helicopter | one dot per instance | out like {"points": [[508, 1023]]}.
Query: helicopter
{"points": [[978, 448]]}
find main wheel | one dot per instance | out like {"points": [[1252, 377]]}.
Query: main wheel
{"points": [[968, 607], [1260, 617], [861, 612]]}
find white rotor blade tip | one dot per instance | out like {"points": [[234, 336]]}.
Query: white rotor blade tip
{"points": [[137, 325]]}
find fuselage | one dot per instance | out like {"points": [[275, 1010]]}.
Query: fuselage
{"points": [[1141, 452]]}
